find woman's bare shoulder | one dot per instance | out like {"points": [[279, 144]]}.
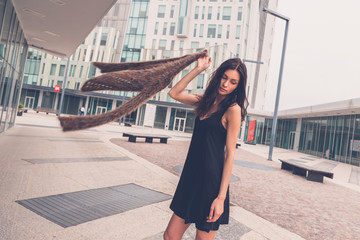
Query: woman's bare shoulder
{"points": [[233, 111], [234, 108]]}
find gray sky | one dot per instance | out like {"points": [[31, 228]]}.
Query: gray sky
{"points": [[322, 62]]}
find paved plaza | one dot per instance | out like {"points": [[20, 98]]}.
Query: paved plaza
{"points": [[94, 184]]}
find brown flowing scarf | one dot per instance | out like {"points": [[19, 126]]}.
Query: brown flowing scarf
{"points": [[147, 78]]}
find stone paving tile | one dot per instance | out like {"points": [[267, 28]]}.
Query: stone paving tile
{"points": [[310, 209]]}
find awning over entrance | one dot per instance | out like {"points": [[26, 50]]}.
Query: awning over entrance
{"points": [[59, 26]]}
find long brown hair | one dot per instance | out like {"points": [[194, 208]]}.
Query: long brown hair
{"points": [[237, 96]]}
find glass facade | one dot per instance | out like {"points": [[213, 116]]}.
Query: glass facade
{"points": [[136, 31], [285, 131], [334, 137], [13, 51]]}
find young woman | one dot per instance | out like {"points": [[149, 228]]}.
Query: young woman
{"points": [[202, 194]]}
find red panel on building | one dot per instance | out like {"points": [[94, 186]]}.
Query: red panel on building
{"points": [[57, 88], [251, 131]]}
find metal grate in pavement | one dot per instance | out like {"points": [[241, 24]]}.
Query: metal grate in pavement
{"points": [[71, 160], [232, 231], [74, 208], [253, 165]]}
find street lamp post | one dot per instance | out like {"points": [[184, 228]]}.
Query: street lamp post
{"points": [[273, 130]]}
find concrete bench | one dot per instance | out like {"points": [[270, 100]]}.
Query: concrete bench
{"points": [[46, 110], [148, 137], [311, 173]]}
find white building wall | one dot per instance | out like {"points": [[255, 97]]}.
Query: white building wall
{"points": [[244, 45]]}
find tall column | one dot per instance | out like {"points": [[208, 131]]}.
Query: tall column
{"points": [[56, 100], [297, 134], [86, 105], [41, 94]]}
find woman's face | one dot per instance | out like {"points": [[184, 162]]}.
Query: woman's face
{"points": [[229, 82]]}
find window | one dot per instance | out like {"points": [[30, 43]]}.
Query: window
{"points": [[81, 70], [194, 44], [62, 70], [200, 81], [228, 32], [184, 73], [219, 31], [226, 13], [103, 39], [43, 68], [156, 28], [59, 83], [201, 31], [211, 31], [172, 11], [196, 16], [91, 54], [172, 29], [225, 45], [207, 44], [162, 44], [195, 27], [218, 13], [53, 69], [94, 40], [153, 43], [238, 50], [165, 28], [72, 71], [203, 13], [77, 85], [237, 32], [239, 13], [209, 13], [52, 83], [172, 44], [161, 11], [182, 20], [181, 44]]}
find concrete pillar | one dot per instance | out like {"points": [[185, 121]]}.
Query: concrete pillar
{"points": [[297, 134], [167, 119], [113, 106], [243, 125], [41, 94], [86, 105], [56, 100]]}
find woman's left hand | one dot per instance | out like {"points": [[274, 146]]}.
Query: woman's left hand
{"points": [[217, 208]]}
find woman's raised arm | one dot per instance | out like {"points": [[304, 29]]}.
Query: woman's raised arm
{"points": [[177, 91]]}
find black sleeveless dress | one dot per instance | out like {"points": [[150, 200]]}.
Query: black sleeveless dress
{"points": [[200, 179]]}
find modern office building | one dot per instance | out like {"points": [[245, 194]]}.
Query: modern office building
{"points": [[165, 29], [13, 50], [329, 130], [44, 71], [55, 28]]}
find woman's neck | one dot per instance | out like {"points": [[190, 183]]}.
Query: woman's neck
{"points": [[218, 99]]}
